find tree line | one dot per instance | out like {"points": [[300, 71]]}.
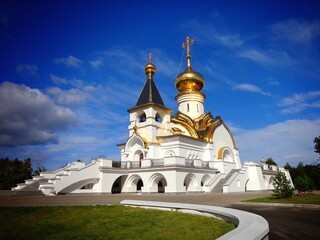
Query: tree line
{"points": [[13, 172], [306, 177]]}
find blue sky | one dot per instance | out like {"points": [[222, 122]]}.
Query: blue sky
{"points": [[71, 69]]}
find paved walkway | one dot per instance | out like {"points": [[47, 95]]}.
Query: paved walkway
{"points": [[208, 199], [285, 223]]}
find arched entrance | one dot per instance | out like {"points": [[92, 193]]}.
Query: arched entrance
{"points": [[139, 185], [116, 186], [133, 184], [190, 182], [205, 179], [161, 187], [157, 183]]}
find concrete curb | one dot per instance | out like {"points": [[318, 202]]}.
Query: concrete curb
{"points": [[299, 205], [249, 225]]}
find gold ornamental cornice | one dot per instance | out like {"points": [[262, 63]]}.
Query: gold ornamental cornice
{"points": [[187, 122], [199, 128]]}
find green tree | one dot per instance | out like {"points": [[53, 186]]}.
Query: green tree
{"points": [[303, 184], [316, 141], [270, 161], [312, 171], [38, 170], [282, 186], [13, 172]]}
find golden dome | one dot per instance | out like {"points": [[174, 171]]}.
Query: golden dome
{"points": [[189, 80]]}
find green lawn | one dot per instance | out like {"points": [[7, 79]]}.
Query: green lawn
{"points": [[298, 199], [105, 222]]}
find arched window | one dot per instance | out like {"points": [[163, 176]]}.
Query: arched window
{"points": [[188, 107], [158, 118], [142, 118]]}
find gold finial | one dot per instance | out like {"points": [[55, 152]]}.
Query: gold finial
{"points": [[150, 68], [187, 45]]}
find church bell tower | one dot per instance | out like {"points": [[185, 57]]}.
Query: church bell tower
{"points": [[149, 113]]}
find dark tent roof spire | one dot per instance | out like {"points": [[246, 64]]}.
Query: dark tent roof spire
{"points": [[150, 93]]}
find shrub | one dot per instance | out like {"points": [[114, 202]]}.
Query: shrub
{"points": [[282, 186]]}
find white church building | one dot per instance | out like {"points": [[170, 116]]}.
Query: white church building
{"points": [[166, 152]]}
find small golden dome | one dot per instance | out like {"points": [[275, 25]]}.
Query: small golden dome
{"points": [[189, 80], [150, 68]]}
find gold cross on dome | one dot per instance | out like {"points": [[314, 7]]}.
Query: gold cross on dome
{"points": [[187, 45], [150, 56]]}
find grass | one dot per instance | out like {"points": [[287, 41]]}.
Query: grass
{"points": [[297, 199], [105, 222]]}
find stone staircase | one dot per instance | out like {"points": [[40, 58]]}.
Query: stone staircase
{"points": [[218, 188], [34, 186], [72, 175], [30, 187]]}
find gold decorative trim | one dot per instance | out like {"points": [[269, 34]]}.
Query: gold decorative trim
{"points": [[175, 130], [202, 127], [187, 122], [199, 128], [220, 153], [145, 142]]}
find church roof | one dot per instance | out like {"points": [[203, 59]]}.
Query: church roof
{"points": [[150, 92]]}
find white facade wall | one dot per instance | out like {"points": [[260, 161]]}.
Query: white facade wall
{"points": [[183, 146], [224, 166], [221, 138]]}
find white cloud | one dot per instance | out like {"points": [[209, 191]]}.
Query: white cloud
{"points": [[250, 88], [58, 80], [297, 30], [28, 117], [300, 101], [68, 97], [208, 33], [124, 60], [76, 83], [27, 69], [69, 61], [164, 63], [269, 57], [96, 63], [229, 40], [290, 141], [256, 55], [117, 93]]}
